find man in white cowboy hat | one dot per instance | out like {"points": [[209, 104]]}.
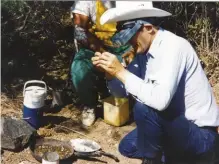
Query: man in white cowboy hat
{"points": [[175, 110]]}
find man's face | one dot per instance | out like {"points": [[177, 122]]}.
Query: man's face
{"points": [[142, 40]]}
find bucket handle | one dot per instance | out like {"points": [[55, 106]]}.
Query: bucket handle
{"points": [[34, 81]]}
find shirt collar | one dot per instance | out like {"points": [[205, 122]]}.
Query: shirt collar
{"points": [[155, 43]]}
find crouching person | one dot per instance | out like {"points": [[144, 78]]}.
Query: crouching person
{"points": [[175, 111], [88, 81]]}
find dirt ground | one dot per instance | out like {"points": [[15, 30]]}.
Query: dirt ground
{"points": [[52, 127], [106, 135]]}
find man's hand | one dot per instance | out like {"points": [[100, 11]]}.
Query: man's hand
{"points": [[108, 62], [128, 56], [84, 36]]}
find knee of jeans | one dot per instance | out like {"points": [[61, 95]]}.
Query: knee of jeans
{"points": [[121, 148], [126, 149], [140, 111]]}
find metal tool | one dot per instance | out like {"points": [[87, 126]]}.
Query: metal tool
{"points": [[89, 148]]}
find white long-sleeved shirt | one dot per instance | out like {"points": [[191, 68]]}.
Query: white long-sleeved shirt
{"points": [[170, 75]]}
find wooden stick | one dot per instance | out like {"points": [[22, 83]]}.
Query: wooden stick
{"points": [[73, 131]]}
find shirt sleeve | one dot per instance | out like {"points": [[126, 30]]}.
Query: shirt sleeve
{"points": [[159, 94], [82, 7]]}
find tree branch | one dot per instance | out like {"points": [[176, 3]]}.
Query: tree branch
{"points": [[24, 22]]}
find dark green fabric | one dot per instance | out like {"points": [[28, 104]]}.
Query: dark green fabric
{"points": [[87, 81]]}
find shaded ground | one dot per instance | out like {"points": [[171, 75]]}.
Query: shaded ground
{"points": [[107, 136]]}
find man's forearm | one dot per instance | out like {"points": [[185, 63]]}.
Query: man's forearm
{"points": [[122, 74]]}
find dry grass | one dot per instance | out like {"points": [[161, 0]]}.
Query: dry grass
{"points": [[216, 92], [107, 136], [11, 106], [210, 57]]}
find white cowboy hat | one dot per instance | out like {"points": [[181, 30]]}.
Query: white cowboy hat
{"points": [[126, 10]]}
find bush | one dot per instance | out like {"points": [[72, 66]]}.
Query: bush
{"points": [[197, 21], [35, 33]]}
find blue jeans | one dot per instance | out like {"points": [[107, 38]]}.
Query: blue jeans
{"points": [[165, 132]]}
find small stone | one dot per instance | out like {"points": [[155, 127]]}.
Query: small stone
{"points": [[116, 145], [25, 162], [109, 132]]}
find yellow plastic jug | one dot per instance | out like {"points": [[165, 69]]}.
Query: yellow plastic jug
{"points": [[116, 110]]}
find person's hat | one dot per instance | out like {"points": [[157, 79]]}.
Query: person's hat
{"points": [[126, 10]]}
